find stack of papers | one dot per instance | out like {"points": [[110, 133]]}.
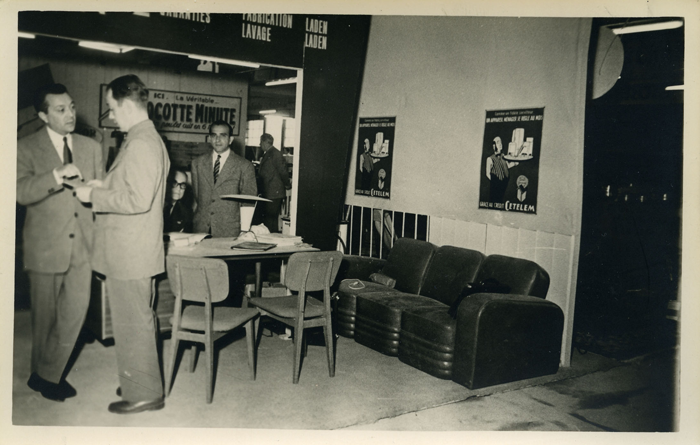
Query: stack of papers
{"points": [[280, 239], [180, 239]]}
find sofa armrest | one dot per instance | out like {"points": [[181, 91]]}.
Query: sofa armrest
{"points": [[502, 338], [358, 267]]}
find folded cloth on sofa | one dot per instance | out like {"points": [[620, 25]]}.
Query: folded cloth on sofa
{"points": [[383, 279], [489, 285]]}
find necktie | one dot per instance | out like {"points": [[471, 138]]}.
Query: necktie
{"points": [[217, 166], [67, 156]]}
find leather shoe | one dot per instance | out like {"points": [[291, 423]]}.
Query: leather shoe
{"points": [[57, 392], [124, 407]]}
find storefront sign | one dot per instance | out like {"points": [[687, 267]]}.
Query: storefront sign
{"points": [[510, 160], [178, 112], [374, 155]]}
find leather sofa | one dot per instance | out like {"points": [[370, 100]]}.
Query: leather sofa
{"points": [[495, 338]]}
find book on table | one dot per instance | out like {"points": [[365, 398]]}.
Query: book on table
{"points": [[252, 245], [279, 239]]}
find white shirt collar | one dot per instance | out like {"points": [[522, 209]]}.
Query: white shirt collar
{"points": [[57, 141], [224, 157]]}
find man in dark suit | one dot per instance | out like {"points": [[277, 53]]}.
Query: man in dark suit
{"points": [[220, 172], [274, 178], [129, 243], [57, 236]]}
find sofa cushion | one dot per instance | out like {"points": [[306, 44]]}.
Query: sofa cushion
{"points": [[524, 277], [346, 305], [451, 269], [427, 340], [378, 321], [408, 262]]}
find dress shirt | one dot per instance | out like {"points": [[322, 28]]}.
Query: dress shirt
{"points": [[222, 161], [57, 141]]}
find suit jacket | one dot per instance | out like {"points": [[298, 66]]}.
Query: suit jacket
{"points": [[221, 216], [179, 219], [53, 212], [274, 176], [129, 208]]}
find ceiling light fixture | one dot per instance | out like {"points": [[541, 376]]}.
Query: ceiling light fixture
{"points": [[25, 35], [675, 87], [109, 47], [268, 111], [281, 82], [226, 61], [645, 26]]}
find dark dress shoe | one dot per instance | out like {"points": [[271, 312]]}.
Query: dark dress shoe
{"points": [[124, 407], [57, 392]]}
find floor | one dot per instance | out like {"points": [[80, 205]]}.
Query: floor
{"points": [[636, 395]]}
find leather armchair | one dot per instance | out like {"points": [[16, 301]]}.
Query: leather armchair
{"points": [[495, 337], [406, 263], [379, 313]]}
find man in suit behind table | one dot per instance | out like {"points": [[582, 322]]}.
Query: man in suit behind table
{"points": [[220, 172], [274, 178], [57, 236], [129, 243]]}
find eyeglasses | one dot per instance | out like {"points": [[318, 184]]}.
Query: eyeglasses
{"points": [[218, 136], [180, 185]]}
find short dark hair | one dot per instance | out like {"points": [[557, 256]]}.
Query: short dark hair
{"points": [[267, 137], [129, 87], [40, 103], [224, 123]]}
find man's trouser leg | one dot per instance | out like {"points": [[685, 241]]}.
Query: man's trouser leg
{"points": [[134, 325], [59, 305]]}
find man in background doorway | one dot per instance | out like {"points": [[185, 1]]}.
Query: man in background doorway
{"points": [[129, 243], [57, 236], [220, 172], [274, 180]]}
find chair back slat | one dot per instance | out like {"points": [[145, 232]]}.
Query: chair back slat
{"points": [[322, 268], [193, 278]]}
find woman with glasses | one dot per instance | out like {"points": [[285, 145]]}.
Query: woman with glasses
{"points": [[178, 213]]}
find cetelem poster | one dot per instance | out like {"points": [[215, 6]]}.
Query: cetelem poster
{"points": [[510, 160], [374, 154]]}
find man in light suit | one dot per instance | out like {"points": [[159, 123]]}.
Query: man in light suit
{"points": [[220, 172], [129, 243], [57, 236], [274, 178]]}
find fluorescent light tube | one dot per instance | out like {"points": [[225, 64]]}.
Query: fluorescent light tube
{"points": [[281, 82], [644, 27], [675, 87], [109, 47], [268, 111], [25, 35], [226, 61]]}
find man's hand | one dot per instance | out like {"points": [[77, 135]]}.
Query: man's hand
{"points": [[84, 194], [69, 171]]}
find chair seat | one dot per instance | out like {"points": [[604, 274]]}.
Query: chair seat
{"points": [[287, 306], [224, 318]]}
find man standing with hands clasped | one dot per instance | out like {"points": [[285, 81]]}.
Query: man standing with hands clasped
{"points": [[129, 243], [275, 181], [57, 236]]}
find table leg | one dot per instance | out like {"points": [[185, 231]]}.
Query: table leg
{"points": [[258, 279]]}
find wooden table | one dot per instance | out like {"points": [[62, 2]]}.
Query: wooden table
{"points": [[224, 248]]}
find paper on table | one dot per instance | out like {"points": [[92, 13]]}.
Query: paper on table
{"points": [[180, 239]]}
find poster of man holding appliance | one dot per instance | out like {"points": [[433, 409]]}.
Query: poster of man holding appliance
{"points": [[510, 160]]}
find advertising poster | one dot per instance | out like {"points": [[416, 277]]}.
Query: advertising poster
{"points": [[178, 112], [510, 160], [374, 155]]}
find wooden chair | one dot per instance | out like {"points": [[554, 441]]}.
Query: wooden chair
{"points": [[204, 281], [306, 272]]}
